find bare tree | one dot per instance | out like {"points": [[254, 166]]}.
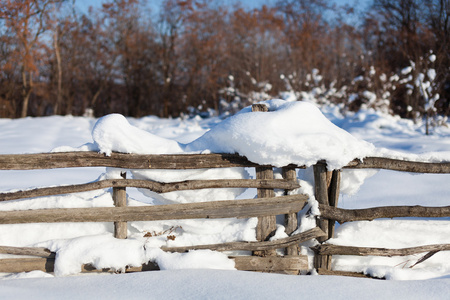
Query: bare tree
{"points": [[28, 20]]}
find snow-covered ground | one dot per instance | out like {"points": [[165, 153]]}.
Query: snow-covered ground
{"points": [[386, 133]]}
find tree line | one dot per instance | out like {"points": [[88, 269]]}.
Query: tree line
{"points": [[199, 55]]}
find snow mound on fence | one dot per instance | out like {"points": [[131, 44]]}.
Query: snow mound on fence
{"points": [[114, 133], [104, 251], [291, 132]]}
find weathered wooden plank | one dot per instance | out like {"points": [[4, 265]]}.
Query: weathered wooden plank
{"points": [[259, 108], [120, 200], [155, 186], [266, 224], [31, 251], [290, 220], [323, 271], [185, 161], [321, 193], [271, 263], [245, 263], [347, 215], [150, 266], [333, 199], [328, 249], [399, 165], [17, 265], [121, 160], [217, 209], [254, 246], [246, 246]]}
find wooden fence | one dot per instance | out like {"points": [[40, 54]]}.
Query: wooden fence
{"points": [[327, 194], [265, 207]]}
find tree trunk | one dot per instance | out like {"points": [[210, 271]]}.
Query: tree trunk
{"points": [[26, 93], [57, 108]]}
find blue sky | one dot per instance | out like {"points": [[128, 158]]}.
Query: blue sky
{"points": [[84, 4]]}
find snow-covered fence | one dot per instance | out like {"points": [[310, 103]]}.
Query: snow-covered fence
{"points": [[327, 192], [265, 207]]}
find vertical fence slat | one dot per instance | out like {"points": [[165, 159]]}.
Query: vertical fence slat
{"points": [[266, 225], [321, 194], [120, 200], [291, 224], [333, 197], [327, 188]]}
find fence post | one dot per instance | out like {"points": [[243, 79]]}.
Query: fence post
{"points": [[333, 197], [266, 225], [321, 194], [120, 200], [326, 189], [290, 220]]}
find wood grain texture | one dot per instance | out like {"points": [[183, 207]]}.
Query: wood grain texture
{"points": [[186, 161], [246, 246], [254, 246], [244, 263], [328, 249], [30, 251], [205, 210], [120, 200], [271, 263], [321, 183], [322, 271], [348, 215], [154, 186], [290, 220], [399, 165], [121, 160], [17, 265], [266, 224]]}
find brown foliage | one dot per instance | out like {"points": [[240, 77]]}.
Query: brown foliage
{"points": [[191, 55]]}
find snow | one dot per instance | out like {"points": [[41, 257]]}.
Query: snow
{"points": [[306, 137], [309, 129], [431, 73], [406, 70], [291, 132], [219, 284], [390, 234], [104, 251], [114, 133]]}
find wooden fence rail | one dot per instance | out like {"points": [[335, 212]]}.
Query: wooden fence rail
{"points": [[205, 210], [56, 160], [329, 249], [327, 192], [154, 186], [368, 214], [286, 264], [232, 246], [399, 165]]}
